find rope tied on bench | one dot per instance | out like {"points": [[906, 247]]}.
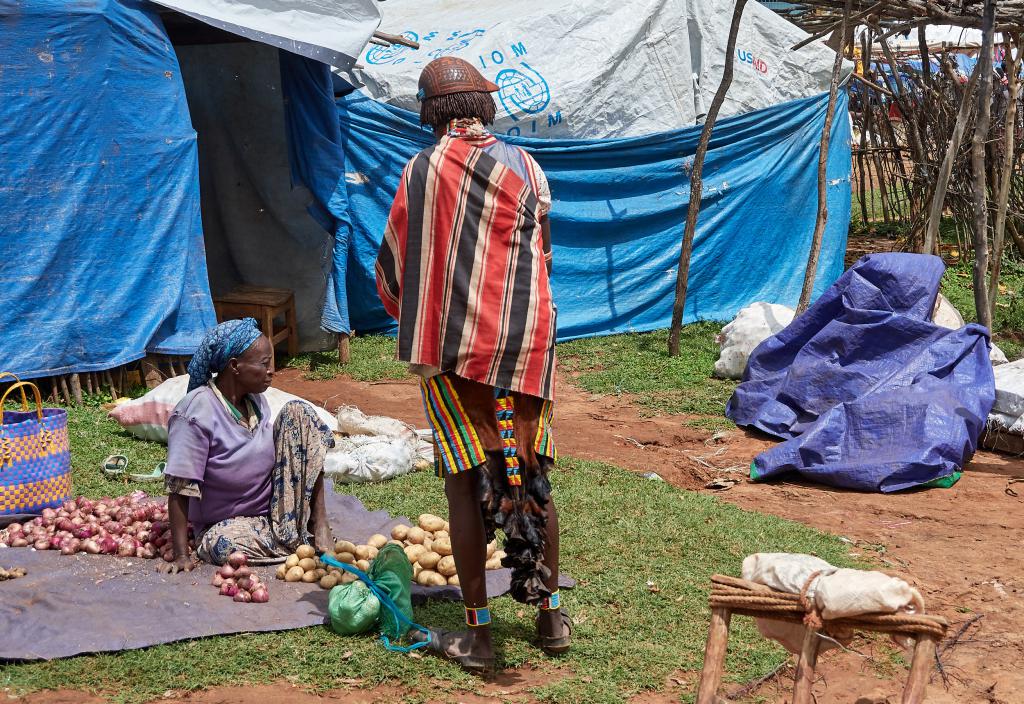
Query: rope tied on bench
{"points": [[756, 600]]}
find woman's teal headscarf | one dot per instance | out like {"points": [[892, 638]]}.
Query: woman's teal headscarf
{"points": [[229, 339]]}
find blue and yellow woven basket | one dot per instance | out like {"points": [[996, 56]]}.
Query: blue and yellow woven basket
{"points": [[35, 457]]}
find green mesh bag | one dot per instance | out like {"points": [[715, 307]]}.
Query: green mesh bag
{"points": [[393, 573], [353, 608]]}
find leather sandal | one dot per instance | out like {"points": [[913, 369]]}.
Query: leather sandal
{"points": [[556, 645], [439, 639]]}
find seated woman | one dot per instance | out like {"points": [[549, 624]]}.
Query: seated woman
{"points": [[243, 482]]}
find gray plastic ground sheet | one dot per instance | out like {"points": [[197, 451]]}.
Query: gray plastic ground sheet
{"points": [[72, 604]]}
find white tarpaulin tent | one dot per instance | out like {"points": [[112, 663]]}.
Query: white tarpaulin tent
{"points": [[600, 68], [331, 31]]}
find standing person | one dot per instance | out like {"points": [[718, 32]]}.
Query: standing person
{"points": [[464, 270]]}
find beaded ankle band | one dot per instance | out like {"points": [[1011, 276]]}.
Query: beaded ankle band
{"points": [[478, 617], [552, 603]]}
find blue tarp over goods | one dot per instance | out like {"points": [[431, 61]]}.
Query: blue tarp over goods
{"points": [[619, 208], [101, 247], [868, 393]]}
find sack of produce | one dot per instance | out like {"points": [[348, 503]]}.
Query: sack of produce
{"points": [[392, 571], [353, 609]]}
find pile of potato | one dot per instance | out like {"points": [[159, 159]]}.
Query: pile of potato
{"points": [[304, 566], [429, 549], [427, 545]]}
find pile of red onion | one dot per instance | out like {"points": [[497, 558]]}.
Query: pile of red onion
{"points": [[236, 580], [128, 526]]}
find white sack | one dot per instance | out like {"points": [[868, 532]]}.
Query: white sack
{"points": [[600, 68], [331, 31], [848, 593], [946, 315], [375, 448], [836, 592], [996, 355], [352, 421], [1008, 411], [789, 573], [365, 458], [783, 571], [146, 417], [752, 326]]}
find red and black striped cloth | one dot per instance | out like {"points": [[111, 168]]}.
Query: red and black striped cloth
{"points": [[462, 269]]}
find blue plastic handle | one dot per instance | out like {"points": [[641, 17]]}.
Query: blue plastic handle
{"points": [[386, 600]]}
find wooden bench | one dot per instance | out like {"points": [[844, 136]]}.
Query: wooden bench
{"points": [[730, 595], [265, 305]]}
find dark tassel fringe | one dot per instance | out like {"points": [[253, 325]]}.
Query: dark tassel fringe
{"points": [[493, 487], [521, 514]]}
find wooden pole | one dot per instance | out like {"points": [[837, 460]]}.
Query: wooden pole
{"points": [[931, 236], [914, 142], [878, 172], [150, 372], [922, 46], [826, 133], [344, 351], [920, 670], [1003, 195], [714, 656], [872, 86], [68, 400], [1018, 239], [979, 195], [891, 193], [861, 182], [697, 185], [862, 159], [833, 27], [76, 389], [807, 661], [109, 379]]}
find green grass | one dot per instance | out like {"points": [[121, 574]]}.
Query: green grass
{"points": [[635, 364], [619, 532], [1008, 325], [876, 224], [638, 364], [93, 437], [373, 359]]}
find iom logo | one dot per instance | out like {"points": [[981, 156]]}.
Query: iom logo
{"points": [[522, 89], [758, 64]]}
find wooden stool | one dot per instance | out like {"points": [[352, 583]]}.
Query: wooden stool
{"points": [[737, 596], [264, 304]]}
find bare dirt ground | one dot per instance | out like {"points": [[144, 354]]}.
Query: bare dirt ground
{"points": [[511, 686], [962, 547]]}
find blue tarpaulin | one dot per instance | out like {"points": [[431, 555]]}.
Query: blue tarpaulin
{"points": [[868, 393], [619, 209], [101, 253]]}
